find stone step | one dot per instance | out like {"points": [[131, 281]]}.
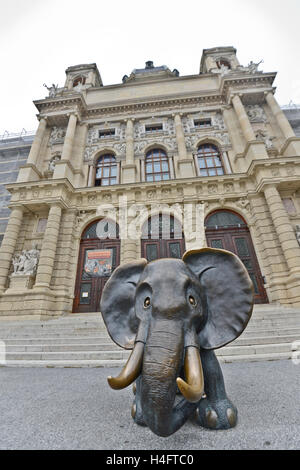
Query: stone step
{"points": [[254, 349], [259, 332], [256, 357], [119, 363], [58, 340], [248, 341], [67, 363], [109, 346], [66, 356]]}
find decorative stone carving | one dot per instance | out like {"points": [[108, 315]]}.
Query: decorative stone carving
{"points": [[217, 121], [57, 135], [228, 187], [262, 135], [256, 113], [212, 188], [53, 161], [26, 263], [244, 203]]}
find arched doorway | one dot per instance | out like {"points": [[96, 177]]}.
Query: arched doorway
{"points": [[99, 255], [162, 237], [227, 230]]}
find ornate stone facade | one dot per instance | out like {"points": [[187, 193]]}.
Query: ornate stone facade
{"points": [[227, 107]]}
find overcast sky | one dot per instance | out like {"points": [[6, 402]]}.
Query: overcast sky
{"points": [[41, 38]]}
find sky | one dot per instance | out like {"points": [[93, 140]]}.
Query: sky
{"points": [[41, 38]]}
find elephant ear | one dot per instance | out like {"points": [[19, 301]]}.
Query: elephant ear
{"points": [[118, 303], [229, 293]]}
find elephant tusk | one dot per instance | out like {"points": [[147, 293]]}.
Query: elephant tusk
{"points": [[193, 389], [131, 370]]}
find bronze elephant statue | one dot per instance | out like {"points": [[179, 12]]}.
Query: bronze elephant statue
{"points": [[173, 313]]}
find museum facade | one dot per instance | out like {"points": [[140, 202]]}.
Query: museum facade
{"points": [[151, 167]]}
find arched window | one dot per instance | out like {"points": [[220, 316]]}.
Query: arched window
{"points": [[209, 160], [157, 165], [79, 80], [223, 62], [106, 170]]}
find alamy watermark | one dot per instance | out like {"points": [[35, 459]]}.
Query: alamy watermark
{"points": [[296, 352], [136, 221]]}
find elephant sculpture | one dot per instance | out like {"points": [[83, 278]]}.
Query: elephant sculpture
{"points": [[173, 313]]}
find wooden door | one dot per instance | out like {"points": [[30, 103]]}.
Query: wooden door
{"points": [[238, 241], [97, 260]]}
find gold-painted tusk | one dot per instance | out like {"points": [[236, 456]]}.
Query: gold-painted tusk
{"points": [[131, 370], [193, 389]]}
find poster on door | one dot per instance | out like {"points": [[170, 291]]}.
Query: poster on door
{"points": [[98, 263]]}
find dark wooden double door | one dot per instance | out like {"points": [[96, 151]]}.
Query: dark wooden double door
{"points": [[97, 260], [238, 241]]}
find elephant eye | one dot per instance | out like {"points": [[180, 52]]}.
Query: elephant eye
{"points": [[147, 302], [192, 301]]}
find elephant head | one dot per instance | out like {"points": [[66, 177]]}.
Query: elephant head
{"points": [[166, 311]]}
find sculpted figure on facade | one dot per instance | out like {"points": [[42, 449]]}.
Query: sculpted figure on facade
{"points": [[252, 66], [57, 135], [52, 89], [256, 113], [26, 263], [53, 161], [261, 135]]}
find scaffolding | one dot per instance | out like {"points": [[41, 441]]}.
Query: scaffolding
{"points": [[22, 136]]}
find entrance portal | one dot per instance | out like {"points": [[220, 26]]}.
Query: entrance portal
{"points": [[227, 230], [162, 237], [99, 255]]}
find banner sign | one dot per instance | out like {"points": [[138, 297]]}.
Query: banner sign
{"points": [[98, 263]]}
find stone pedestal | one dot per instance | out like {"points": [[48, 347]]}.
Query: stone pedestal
{"points": [[20, 282]]}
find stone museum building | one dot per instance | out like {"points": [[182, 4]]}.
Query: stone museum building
{"points": [[151, 167]]}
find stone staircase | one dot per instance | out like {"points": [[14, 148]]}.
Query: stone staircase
{"points": [[81, 340]]}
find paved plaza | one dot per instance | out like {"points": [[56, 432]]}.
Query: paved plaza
{"points": [[73, 408]]}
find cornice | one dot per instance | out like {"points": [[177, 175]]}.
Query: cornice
{"points": [[55, 102]]}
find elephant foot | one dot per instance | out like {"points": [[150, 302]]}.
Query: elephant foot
{"points": [[218, 415]]}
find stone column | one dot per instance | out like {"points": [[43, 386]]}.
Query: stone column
{"points": [[69, 138], [48, 251], [128, 167], [36, 145], [243, 119], [29, 171], [180, 137], [64, 168], [91, 176], [284, 229], [281, 119], [9, 244], [129, 142], [185, 162]]}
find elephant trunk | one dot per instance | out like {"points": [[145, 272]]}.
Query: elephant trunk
{"points": [[163, 357]]}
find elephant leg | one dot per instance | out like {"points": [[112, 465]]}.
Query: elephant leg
{"points": [[215, 411], [136, 410]]}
